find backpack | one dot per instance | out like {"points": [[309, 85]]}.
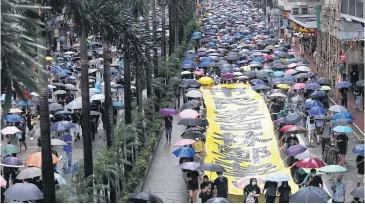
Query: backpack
{"points": [[284, 196], [176, 91], [271, 192]]}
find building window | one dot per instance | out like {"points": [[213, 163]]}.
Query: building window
{"points": [[295, 11], [304, 10]]}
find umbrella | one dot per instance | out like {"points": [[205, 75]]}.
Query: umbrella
{"points": [[60, 179], [343, 115], [57, 142], [310, 195], [35, 160], [260, 87], [186, 73], [3, 182], [276, 177], [189, 113], [30, 172], [218, 200], [97, 97], [333, 169], [190, 83], [175, 80], [144, 197], [277, 95], [342, 129], [358, 149], [194, 94], [24, 104], [13, 118], [313, 103], [206, 80], [303, 68], [184, 142], [211, 167], [311, 163], [342, 121], [192, 166], [286, 127], [71, 87], [302, 155], [299, 86], [23, 192], [63, 113], [337, 109], [59, 92], [55, 106], [313, 86], [317, 94], [358, 192], [10, 130], [343, 84], [8, 149], [12, 162], [278, 73], [317, 110], [360, 83], [295, 150], [283, 86], [74, 105], [189, 122], [95, 91], [189, 106], [324, 81], [15, 110], [168, 111], [62, 125], [292, 118], [118, 105], [257, 81], [73, 168], [184, 152]]}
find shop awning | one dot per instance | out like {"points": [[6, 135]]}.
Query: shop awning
{"points": [[350, 30], [307, 21]]}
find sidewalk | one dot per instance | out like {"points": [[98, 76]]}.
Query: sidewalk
{"points": [[358, 115], [165, 179]]}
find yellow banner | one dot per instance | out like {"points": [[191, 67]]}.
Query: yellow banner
{"points": [[241, 136]]}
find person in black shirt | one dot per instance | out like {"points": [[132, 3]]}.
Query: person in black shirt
{"points": [[167, 122], [93, 128], [314, 179], [205, 193], [193, 185], [221, 186], [343, 94], [360, 169], [354, 76], [290, 141], [285, 192], [210, 184], [251, 192], [270, 188], [342, 140]]}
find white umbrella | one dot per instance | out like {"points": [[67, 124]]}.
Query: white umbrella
{"points": [[30, 172], [10, 130], [303, 68], [92, 70], [23, 192], [71, 87], [51, 86], [34, 94], [69, 53], [237, 73], [55, 106], [15, 110], [194, 94], [57, 142], [276, 177], [97, 97], [59, 92], [60, 179], [74, 105]]}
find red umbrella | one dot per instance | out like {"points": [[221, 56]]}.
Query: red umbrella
{"points": [[268, 57], [286, 127], [296, 129], [311, 163]]}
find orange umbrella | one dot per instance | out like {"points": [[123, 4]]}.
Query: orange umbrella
{"points": [[35, 160]]}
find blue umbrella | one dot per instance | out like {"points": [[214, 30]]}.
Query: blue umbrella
{"points": [[317, 110], [343, 84], [184, 152], [195, 37], [317, 94], [66, 71], [313, 103], [258, 59], [289, 78], [343, 115], [13, 118], [206, 59], [291, 60], [118, 105], [342, 129], [73, 168], [203, 64], [342, 121], [95, 90], [212, 44], [61, 74], [187, 64], [358, 149], [313, 86], [323, 81], [278, 73], [257, 81], [62, 125], [63, 113], [24, 104], [197, 33]]}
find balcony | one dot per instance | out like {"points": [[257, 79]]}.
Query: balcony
{"points": [[353, 10]]}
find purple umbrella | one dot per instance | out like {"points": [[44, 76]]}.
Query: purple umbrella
{"points": [[168, 111], [227, 76], [343, 84], [62, 125], [313, 86], [11, 162], [317, 110], [295, 150]]}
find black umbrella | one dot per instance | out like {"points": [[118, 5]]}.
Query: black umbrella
{"points": [[189, 83], [188, 106], [191, 135], [360, 83], [302, 75], [292, 118], [218, 200], [283, 55], [310, 195], [279, 66], [213, 64], [194, 129], [250, 74], [324, 81], [232, 58], [143, 197], [189, 122], [211, 167]]}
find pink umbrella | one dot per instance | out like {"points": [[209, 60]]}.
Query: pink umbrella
{"points": [[228, 76], [10, 130], [189, 113], [242, 183], [268, 57], [2, 182], [299, 86], [184, 142], [290, 72], [291, 65]]}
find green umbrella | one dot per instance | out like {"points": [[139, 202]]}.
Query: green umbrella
{"points": [[8, 149], [333, 169]]}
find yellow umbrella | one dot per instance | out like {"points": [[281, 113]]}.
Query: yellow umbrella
{"points": [[90, 37], [246, 68], [49, 58], [185, 72], [283, 86], [206, 80], [325, 88]]}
